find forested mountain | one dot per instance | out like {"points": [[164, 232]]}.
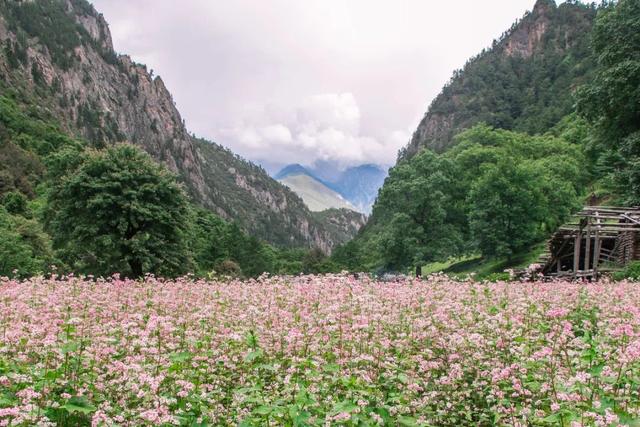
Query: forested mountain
{"points": [[523, 82], [358, 185], [501, 157], [57, 58]]}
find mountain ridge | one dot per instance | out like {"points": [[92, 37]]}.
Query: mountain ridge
{"points": [[57, 56], [498, 86], [358, 185]]}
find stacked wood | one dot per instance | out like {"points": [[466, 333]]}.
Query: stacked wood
{"points": [[596, 240]]}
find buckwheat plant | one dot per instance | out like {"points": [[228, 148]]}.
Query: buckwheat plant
{"points": [[318, 351]]}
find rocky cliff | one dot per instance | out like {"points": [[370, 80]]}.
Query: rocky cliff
{"points": [[523, 82], [58, 55]]}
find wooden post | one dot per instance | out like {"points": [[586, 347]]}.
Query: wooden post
{"points": [[576, 253], [587, 248], [596, 247], [596, 254]]}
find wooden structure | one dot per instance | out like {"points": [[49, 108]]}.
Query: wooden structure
{"points": [[598, 239]]}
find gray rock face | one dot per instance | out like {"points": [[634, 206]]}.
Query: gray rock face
{"points": [[107, 98], [461, 104]]}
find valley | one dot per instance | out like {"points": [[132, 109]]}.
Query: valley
{"points": [[153, 277]]}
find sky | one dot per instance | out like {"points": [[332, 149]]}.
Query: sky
{"points": [[301, 81]]}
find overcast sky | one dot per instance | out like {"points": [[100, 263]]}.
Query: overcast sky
{"points": [[283, 81]]}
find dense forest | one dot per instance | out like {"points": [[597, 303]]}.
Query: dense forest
{"points": [[57, 56], [69, 207], [499, 187], [541, 123]]}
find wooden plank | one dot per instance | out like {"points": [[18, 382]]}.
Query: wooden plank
{"points": [[587, 248], [608, 229], [631, 219], [596, 250], [611, 208], [596, 254], [576, 253]]}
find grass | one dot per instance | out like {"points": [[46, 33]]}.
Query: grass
{"points": [[483, 268]]}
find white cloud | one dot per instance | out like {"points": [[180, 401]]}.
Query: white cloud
{"points": [[241, 71], [320, 127]]}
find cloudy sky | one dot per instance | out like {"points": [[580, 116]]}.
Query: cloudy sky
{"points": [[283, 81]]}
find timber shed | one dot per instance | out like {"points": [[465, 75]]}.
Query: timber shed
{"points": [[597, 240]]}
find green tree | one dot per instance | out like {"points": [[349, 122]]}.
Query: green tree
{"points": [[15, 203], [611, 101], [508, 208], [24, 247], [207, 240], [120, 212], [417, 213]]}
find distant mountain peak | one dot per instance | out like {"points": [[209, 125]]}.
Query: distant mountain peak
{"points": [[357, 186], [292, 169], [543, 6], [507, 86]]}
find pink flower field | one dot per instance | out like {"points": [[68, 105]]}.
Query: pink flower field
{"points": [[320, 351]]}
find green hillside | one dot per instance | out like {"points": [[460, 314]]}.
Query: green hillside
{"points": [[58, 55], [503, 156], [523, 82]]}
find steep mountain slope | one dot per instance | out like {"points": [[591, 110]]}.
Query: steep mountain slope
{"points": [[295, 169], [523, 83], [360, 185], [57, 56], [343, 223], [315, 194], [501, 131]]}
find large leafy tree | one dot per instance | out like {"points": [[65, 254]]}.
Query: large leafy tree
{"points": [[611, 101], [416, 213], [496, 192], [508, 207], [24, 248], [117, 211]]}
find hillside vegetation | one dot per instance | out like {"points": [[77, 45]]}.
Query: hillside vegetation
{"points": [[68, 207], [58, 55], [496, 184], [524, 82]]}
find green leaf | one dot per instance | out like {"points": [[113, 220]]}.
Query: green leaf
{"points": [[331, 367], [403, 378], [408, 421], [263, 410], [180, 357], [79, 404], [344, 406], [70, 347], [301, 419], [253, 355], [597, 370], [252, 340], [5, 402], [553, 418]]}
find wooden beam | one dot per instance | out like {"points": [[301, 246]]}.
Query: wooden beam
{"points": [[587, 249], [596, 254], [631, 219], [576, 253]]}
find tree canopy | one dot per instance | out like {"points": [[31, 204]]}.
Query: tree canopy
{"points": [[120, 212], [611, 101]]}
